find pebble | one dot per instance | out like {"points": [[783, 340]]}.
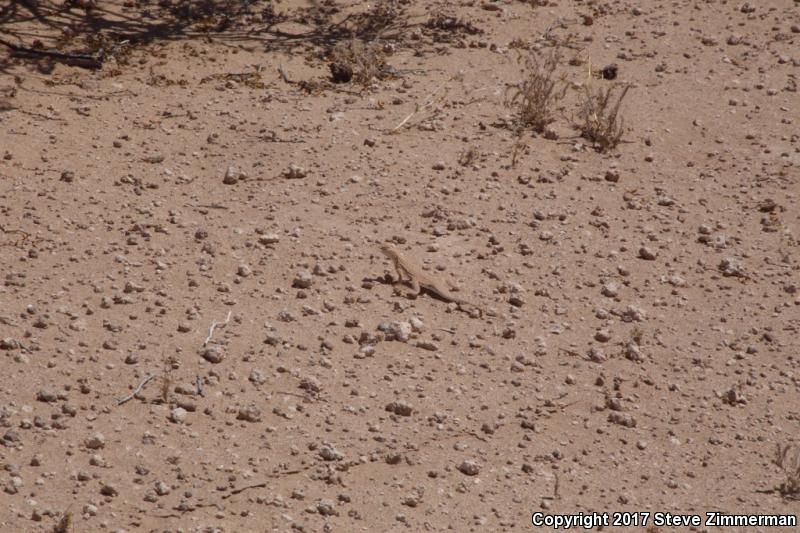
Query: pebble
{"points": [[257, 377], [633, 352], [178, 415], [96, 441], [212, 355], [231, 176], [295, 172], [109, 490], [400, 408], [249, 413], [596, 355], [647, 254], [269, 238], [329, 453], [162, 489], [469, 468], [302, 280], [622, 419], [399, 331], [602, 335], [730, 267], [326, 508], [610, 290], [46, 395]]}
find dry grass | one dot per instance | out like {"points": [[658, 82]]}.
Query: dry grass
{"points": [[599, 120], [356, 61], [535, 97], [788, 459], [469, 156], [64, 523], [171, 363], [637, 334]]}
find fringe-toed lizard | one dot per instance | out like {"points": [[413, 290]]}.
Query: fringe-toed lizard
{"points": [[411, 274]]}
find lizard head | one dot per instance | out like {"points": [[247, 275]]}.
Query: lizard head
{"points": [[388, 249]]}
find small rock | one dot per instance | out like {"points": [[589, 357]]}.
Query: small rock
{"points": [[596, 355], [417, 325], [399, 331], [295, 172], [602, 335], [109, 490], [231, 176], [96, 441], [9, 344], [249, 413], [633, 352], [257, 377], [647, 254], [326, 508], [302, 280], [67, 176], [400, 408], [212, 355], [632, 314], [469, 468], [178, 415], [610, 290], [329, 453], [46, 395], [162, 489], [269, 238], [244, 271], [427, 345], [622, 419], [731, 267]]}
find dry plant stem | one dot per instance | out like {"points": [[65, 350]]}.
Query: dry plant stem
{"points": [[214, 324], [136, 390], [264, 484], [78, 60], [429, 102], [600, 120], [64, 523], [536, 96]]}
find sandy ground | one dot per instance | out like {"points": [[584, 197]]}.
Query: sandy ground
{"points": [[638, 349]]}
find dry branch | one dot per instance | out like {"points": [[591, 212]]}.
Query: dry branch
{"points": [[78, 60], [214, 324], [136, 390]]}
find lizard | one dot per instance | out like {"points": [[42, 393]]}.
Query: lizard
{"points": [[418, 280]]}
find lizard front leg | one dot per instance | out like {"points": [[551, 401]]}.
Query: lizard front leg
{"points": [[410, 288]]}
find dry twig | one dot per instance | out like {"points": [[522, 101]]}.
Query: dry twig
{"points": [[136, 390], [214, 324], [432, 99]]}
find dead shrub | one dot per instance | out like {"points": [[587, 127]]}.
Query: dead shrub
{"points": [[598, 119], [64, 523], [446, 25], [384, 15], [469, 157], [788, 459], [537, 95], [356, 61]]}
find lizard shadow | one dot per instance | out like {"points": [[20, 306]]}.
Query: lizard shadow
{"points": [[388, 279]]}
